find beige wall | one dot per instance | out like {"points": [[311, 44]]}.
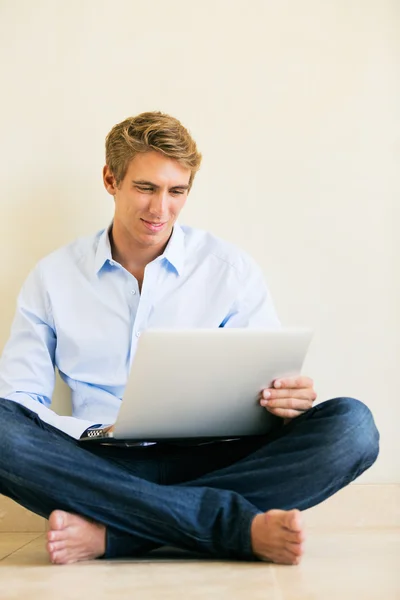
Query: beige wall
{"points": [[295, 108]]}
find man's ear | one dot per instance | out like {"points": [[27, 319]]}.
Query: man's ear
{"points": [[109, 180]]}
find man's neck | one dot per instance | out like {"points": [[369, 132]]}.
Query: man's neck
{"points": [[129, 254]]}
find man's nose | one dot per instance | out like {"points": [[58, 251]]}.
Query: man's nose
{"points": [[159, 203]]}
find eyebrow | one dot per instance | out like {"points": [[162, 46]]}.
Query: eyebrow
{"points": [[143, 182]]}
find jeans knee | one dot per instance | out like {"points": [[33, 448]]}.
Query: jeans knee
{"points": [[14, 420], [356, 419]]}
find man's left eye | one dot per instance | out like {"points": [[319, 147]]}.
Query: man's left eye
{"points": [[177, 191]]}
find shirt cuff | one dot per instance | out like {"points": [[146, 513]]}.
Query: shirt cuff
{"points": [[70, 425]]}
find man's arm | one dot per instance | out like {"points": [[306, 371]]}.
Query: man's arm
{"points": [[27, 365]]}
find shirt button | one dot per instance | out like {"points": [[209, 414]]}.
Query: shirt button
{"points": [[133, 292], [137, 334]]}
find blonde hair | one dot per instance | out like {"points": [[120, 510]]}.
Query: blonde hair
{"points": [[150, 131]]}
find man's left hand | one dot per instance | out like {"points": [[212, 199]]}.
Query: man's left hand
{"points": [[289, 397]]}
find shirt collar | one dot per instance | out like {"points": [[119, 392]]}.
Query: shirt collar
{"points": [[103, 251], [173, 253]]}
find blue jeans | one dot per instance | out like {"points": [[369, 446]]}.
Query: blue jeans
{"points": [[199, 498]]}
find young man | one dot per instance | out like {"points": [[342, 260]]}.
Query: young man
{"points": [[82, 309]]}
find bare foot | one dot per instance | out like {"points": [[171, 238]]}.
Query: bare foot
{"points": [[72, 538], [277, 536]]}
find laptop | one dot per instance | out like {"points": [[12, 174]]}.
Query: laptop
{"points": [[203, 384]]}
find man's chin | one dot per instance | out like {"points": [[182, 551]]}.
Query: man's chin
{"points": [[151, 238]]}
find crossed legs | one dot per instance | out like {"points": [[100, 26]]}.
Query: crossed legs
{"points": [[234, 499]]}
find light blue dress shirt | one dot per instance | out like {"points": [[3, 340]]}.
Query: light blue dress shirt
{"points": [[82, 312]]}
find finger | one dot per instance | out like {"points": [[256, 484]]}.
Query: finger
{"points": [[294, 382], [302, 394], [292, 403], [285, 413]]}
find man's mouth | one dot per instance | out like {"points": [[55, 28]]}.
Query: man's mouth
{"points": [[153, 226]]}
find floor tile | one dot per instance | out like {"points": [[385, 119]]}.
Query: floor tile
{"points": [[343, 565], [355, 506], [11, 542], [346, 565], [168, 575], [14, 517]]}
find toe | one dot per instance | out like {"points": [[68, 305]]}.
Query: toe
{"points": [[285, 558], [293, 520], [292, 559], [297, 537], [56, 519], [59, 558], [55, 547], [57, 535], [295, 549]]}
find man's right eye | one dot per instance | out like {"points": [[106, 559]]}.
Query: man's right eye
{"points": [[144, 189]]}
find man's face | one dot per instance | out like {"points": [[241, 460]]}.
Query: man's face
{"points": [[149, 199]]}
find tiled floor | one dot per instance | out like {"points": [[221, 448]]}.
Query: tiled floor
{"points": [[338, 564]]}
